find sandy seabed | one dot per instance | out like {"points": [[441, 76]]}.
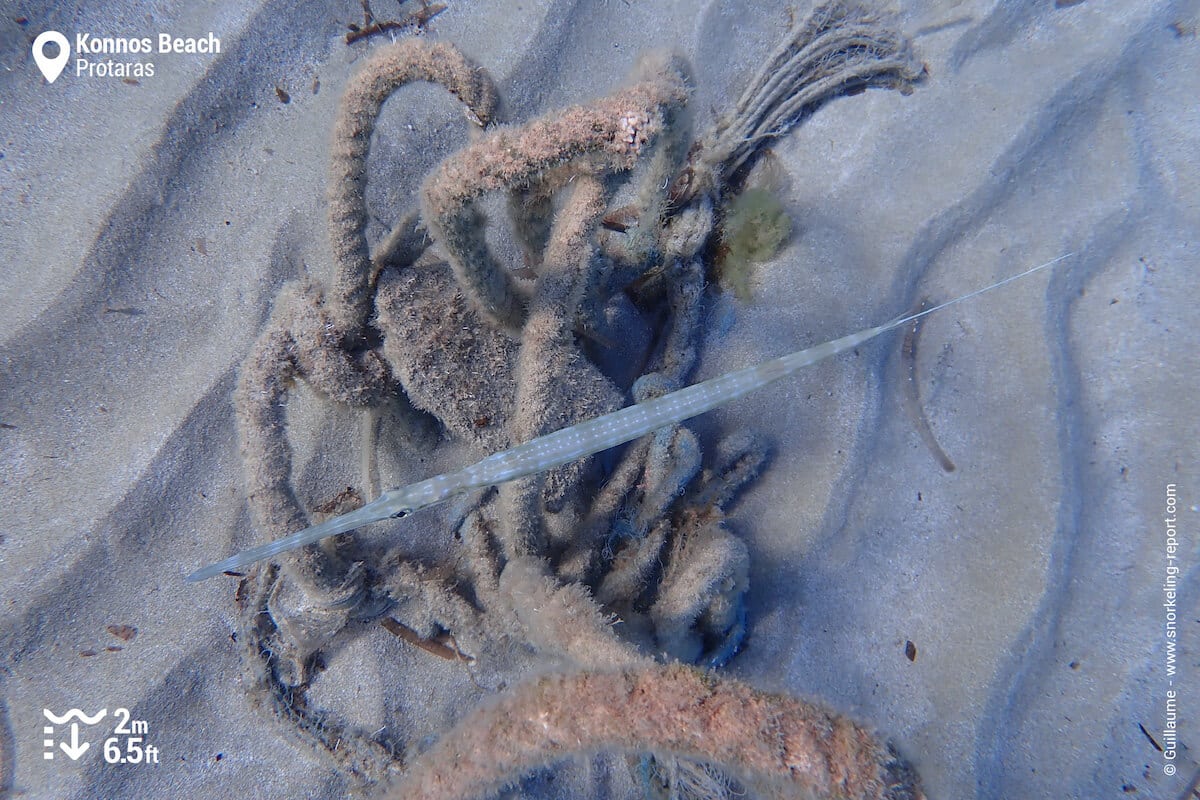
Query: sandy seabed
{"points": [[147, 224]]}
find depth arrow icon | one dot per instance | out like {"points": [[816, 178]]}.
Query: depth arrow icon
{"points": [[76, 748]]}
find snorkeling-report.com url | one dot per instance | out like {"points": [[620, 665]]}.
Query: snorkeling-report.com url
{"points": [[1171, 629]]}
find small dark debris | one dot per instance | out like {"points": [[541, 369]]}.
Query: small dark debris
{"points": [[128, 311], [910, 651], [1128, 788], [621, 220], [131, 81], [1074, 665], [1150, 738], [416, 20], [346, 500], [316, 87], [283, 96], [1183, 29], [22, 21], [123, 632], [233, 574], [1066, 3], [7, 427], [87, 653], [440, 646], [239, 594], [218, 756], [114, 648]]}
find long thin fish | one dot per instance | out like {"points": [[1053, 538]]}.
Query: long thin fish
{"points": [[582, 439]]}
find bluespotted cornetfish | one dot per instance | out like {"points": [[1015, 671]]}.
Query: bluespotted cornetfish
{"points": [[582, 439]]}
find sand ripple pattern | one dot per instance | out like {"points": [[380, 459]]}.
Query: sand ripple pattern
{"points": [[146, 229]]}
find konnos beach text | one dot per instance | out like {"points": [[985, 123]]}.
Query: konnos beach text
{"points": [[162, 44]]}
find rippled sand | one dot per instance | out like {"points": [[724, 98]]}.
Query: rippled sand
{"points": [[145, 229]]}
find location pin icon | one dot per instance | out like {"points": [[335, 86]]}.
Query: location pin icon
{"points": [[51, 67]]}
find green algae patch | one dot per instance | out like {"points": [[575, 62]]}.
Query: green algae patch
{"points": [[754, 230]]}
